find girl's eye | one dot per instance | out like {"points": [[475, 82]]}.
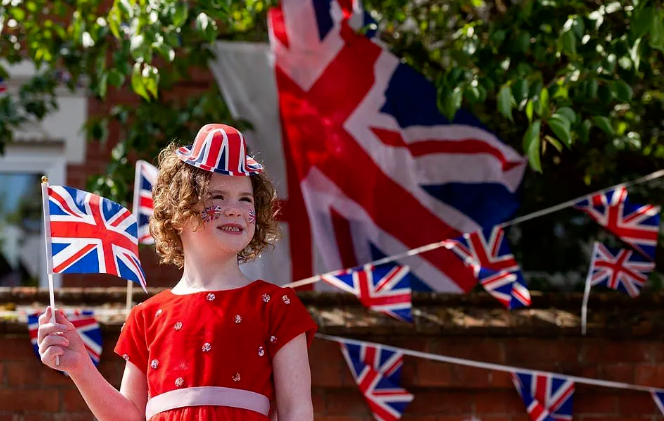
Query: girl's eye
{"points": [[247, 199], [217, 196]]}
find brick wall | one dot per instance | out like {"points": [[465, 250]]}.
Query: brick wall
{"points": [[627, 349]]}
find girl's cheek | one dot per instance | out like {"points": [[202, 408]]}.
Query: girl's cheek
{"points": [[210, 213], [252, 216]]}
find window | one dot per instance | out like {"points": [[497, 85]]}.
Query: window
{"points": [[22, 248]]}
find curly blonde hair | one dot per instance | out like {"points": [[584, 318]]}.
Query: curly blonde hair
{"points": [[179, 194]]}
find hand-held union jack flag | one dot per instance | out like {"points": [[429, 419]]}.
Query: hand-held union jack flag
{"points": [[387, 400], [384, 288], [637, 225], [494, 265], [91, 234], [547, 398], [86, 326], [146, 176], [619, 269]]}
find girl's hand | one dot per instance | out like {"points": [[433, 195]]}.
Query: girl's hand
{"points": [[61, 339]]}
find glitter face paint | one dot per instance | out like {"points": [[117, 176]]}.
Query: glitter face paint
{"points": [[211, 213]]}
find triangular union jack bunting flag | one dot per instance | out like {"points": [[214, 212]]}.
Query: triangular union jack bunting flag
{"points": [[384, 288], [637, 225], [547, 398], [658, 397], [494, 265], [386, 399], [619, 269], [146, 176], [91, 234], [388, 363], [86, 325]]}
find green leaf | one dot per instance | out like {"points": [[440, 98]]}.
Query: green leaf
{"points": [[137, 82], [569, 43], [520, 90], [556, 144], [603, 123], [505, 101], [180, 13], [116, 78], [657, 33], [592, 88], [622, 91], [206, 26], [532, 145], [568, 113], [452, 103], [605, 94], [522, 42], [166, 51], [561, 127], [584, 131], [641, 22], [529, 110], [542, 107], [102, 84], [472, 93]]}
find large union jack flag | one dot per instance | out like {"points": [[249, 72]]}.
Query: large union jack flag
{"points": [[637, 225], [91, 234], [387, 400], [488, 253], [619, 269], [146, 176], [86, 325], [384, 288], [369, 157], [387, 362], [547, 398]]}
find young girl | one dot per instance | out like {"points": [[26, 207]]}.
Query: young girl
{"points": [[217, 346]]}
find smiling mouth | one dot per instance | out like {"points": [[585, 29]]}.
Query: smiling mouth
{"points": [[231, 228]]}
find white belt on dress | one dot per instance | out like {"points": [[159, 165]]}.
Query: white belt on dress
{"points": [[208, 396]]}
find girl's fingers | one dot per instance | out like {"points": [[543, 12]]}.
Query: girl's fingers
{"points": [[52, 340], [48, 329], [48, 357]]}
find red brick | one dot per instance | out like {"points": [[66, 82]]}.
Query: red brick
{"points": [[16, 348], [520, 351], [2, 376], [447, 418], [8, 417], [72, 400], [50, 377], [318, 400], [471, 348], [346, 402], [500, 380], [636, 403], [38, 416], [29, 399], [74, 416], [496, 418], [443, 402], [324, 374], [497, 402], [344, 418], [433, 373], [603, 351], [650, 375], [618, 373], [595, 404], [25, 373], [469, 377], [409, 373]]}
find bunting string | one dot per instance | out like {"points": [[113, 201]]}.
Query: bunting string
{"points": [[491, 366], [446, 243]]}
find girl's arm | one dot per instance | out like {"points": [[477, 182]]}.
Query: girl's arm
{"points": [[107, 404], [292, 381]]}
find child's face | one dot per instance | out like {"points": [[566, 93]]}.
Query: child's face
{"points": [[228, 216]]}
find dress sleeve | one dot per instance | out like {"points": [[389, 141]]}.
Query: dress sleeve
{"points": [[132, 343], [288, 319]]}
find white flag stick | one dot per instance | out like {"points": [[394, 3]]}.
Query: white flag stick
{"points": [[134, 210], [49, 257], [586, 293]]}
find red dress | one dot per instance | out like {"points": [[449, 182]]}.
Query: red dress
{"points": [[213, 338]]}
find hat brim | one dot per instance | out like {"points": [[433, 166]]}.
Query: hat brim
{"points": [[252, 167]]}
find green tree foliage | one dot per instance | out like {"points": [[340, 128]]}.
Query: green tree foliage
{"points": [[574, 85]]}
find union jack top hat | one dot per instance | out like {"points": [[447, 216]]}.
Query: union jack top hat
{"points": [[220, 148]]}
